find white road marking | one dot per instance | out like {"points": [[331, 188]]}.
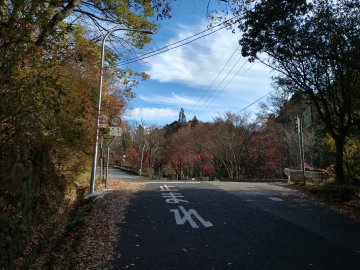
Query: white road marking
{"points": [[172, 182], [173, 197], [187, 217], [167, 188], [275, 199]]}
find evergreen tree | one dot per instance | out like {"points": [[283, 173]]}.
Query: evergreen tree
{"points": [[194, 121], [182, 117]]}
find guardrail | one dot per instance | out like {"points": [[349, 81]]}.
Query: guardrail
{"points": [[295, 175], [127, 169]]}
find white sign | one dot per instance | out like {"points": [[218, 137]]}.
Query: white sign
{"points": [[115, 131]]}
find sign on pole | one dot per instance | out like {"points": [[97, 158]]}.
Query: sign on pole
{"points": [[103, 120], [115, 131], [116, 107], [115, 121]]}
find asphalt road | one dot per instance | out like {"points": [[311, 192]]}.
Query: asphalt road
{"points": [[116, 174], [216, 225]]}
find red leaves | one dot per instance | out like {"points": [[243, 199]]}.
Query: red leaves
{"points": [[203, 163], [133, 157], [202, 156], [207, 170]]}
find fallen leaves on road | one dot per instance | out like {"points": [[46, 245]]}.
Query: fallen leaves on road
{"points": [[92, 244]]}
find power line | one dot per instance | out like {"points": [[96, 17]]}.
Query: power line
{"points": [[132, 60], [180, 41], [171, 46], [118, 52], [214, 80], [133, 52], [243, 109], [232, 78], [219, 84]]}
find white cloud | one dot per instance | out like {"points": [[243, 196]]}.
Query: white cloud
{"points": [[197, 64], [152, 113], [173, 99], [183, 77]]}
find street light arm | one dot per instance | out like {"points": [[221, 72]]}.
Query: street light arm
{"points": [[122, 29], [108, 34], [128, 29]]}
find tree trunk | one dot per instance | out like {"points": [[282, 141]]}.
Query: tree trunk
{"points": [[339, 168], [228, 169]]}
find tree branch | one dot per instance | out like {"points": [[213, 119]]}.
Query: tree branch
{"points": [[60, 16]]}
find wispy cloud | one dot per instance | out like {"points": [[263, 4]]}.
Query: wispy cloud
{"points": [[152, 113], [197, 64], [183, 77], [172, 99]]}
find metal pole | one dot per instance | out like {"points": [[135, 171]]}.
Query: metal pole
{"points": [[96, 145], [301, 146], [141, 161], [302, 150], [101, 159], [107, 162], [107, 166]]}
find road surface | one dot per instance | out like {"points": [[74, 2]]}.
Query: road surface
{"points": [[217, 225], [116, 174]]}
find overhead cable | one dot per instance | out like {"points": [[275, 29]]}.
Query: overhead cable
{"points": [[180, 42], [260, 98], [213, 81], [225, 86]]}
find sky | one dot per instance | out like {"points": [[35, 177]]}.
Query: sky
{"points": [[207, 77]]}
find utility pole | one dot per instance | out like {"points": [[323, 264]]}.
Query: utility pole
{"points": [[101, 158], [299, 128], [141, 161]]}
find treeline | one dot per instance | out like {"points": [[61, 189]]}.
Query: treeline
{"points": [[49, 68], [236, 147]]}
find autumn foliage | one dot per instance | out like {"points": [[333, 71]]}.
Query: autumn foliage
{"points": [[49, 62], [231, 147]]}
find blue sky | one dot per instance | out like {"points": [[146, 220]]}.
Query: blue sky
{"points": [[189, 76]]}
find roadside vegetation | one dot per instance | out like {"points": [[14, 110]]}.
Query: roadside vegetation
{"points": [[49, 62]]}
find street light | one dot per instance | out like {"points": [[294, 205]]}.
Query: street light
{"points": [[94, 162]]}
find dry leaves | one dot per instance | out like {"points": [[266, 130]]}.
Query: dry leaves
{"points": [[92, 244]]}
